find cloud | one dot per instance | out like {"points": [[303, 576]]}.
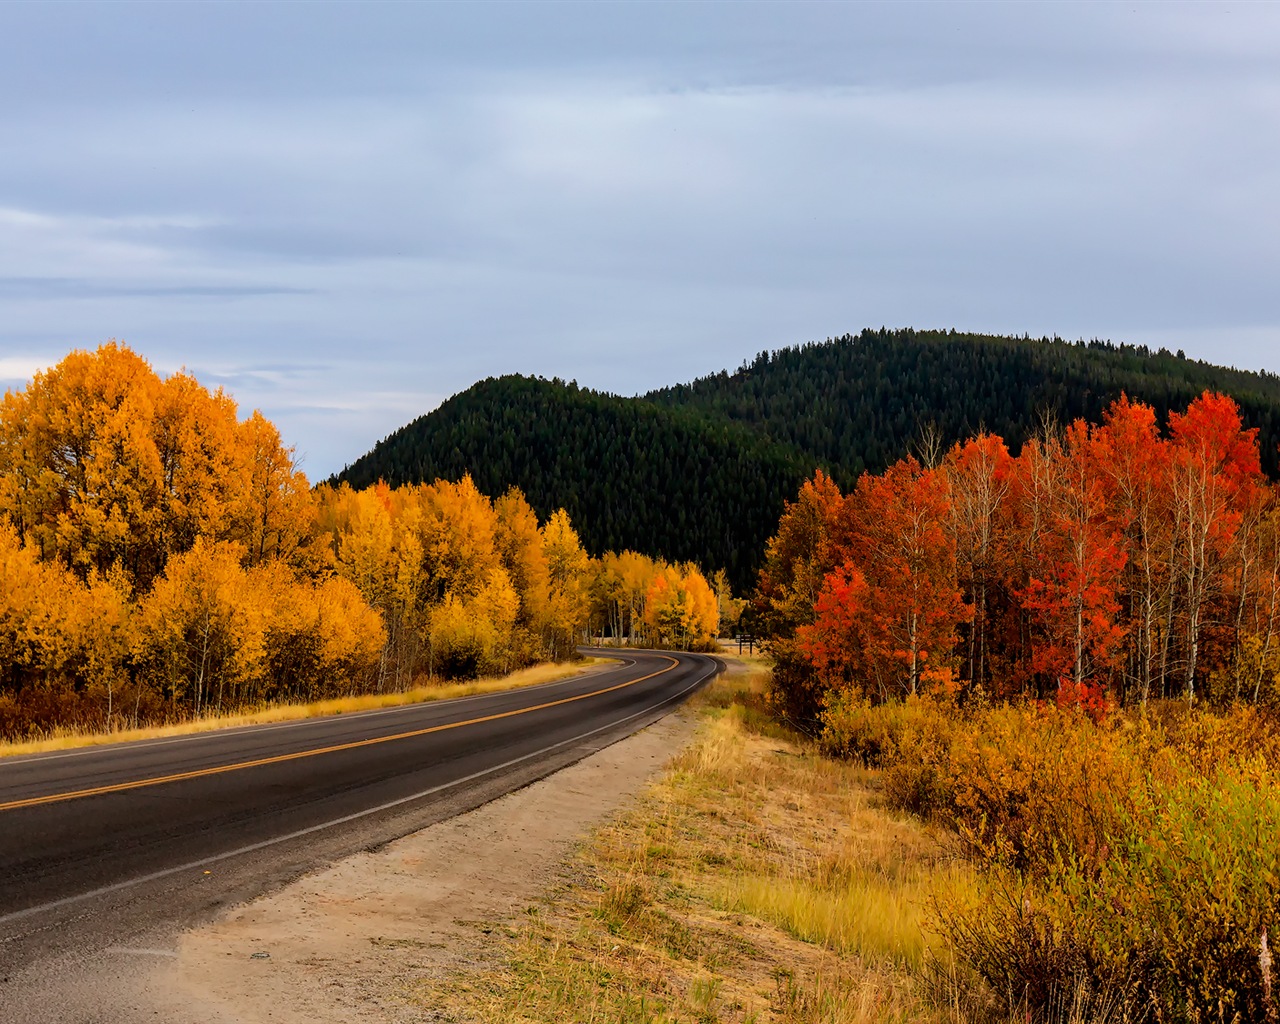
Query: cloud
{"points": [[76, 288], [20, 369], [344, 212]]}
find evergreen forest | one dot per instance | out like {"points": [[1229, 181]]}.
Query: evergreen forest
{"points": [[701, 471]]}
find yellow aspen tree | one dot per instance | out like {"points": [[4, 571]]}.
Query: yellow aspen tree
{"points": [[637, 573], [567, 567], [205, 477], [665, 610], [34, 596], [728, 608], [197, 637], [100, 626], [702, 607], [81, 471], [495, 609], [607, 595], [366, 547], [276, 506], [519, 544], [351, 635], [459, 536]]}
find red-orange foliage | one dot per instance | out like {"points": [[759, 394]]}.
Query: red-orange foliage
{"points": [[1104, 562], [888, 613], [1072, 588]]}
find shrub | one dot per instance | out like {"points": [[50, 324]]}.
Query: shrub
{"points": [[1132, 864], [909, 739]]}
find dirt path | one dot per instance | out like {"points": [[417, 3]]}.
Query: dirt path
{"points": [[347, 943]]}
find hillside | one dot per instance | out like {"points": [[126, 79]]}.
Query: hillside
{"points": [[858, 401], [631, 474], [700, 471]]}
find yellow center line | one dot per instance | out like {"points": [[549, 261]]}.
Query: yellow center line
{"points": [[120, 787]]}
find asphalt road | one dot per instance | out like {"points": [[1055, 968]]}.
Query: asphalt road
{"points": [[120, 847]]}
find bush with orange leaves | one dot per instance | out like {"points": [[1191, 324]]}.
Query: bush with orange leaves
{"points": [[1131, 866]]}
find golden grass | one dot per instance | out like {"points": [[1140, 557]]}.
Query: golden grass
{"points": [[756, 881], [746, 660], [532, 676]]}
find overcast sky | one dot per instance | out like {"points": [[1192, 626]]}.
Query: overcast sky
{"points": [[346, 213]]}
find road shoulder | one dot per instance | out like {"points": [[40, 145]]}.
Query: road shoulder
{"points": [[353, 942]]}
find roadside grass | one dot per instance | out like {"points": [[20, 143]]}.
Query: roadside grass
{"points": [[755, 881], [535, 675]]}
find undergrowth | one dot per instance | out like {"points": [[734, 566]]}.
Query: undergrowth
{"points": [[1129, 868]]}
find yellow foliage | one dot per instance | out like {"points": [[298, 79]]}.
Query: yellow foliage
{"points": [[680, 607], [276, 505], [103, 463], [199, 632], [650, 601], [567, 567], [457, 529], [161, 558], [519, 545]]}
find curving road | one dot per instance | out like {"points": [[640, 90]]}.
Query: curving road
{"points": [[121, 846]]}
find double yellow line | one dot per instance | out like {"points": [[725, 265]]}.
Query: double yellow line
{"points": [[121, 787]]}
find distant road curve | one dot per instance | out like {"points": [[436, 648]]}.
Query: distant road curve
{"points": [[109, 844]]}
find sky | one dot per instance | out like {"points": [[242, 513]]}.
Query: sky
{"points": [[345, 213]]}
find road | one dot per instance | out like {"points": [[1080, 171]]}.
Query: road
{"points": [[120, 847]]}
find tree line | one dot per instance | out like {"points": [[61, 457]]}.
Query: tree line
{"points": [[162, 558], [727, 451], [670, 482], [1104, 563], [860, 401]]}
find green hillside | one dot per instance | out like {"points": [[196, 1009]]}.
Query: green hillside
{"points": [[700, 471], [630, 473], [858, 401]]}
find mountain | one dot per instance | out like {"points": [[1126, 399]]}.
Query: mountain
{"points": [[630, 473], [700, 471], [859, 401]]}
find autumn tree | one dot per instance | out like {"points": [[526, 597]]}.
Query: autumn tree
{"points": [[276, 507], [519, 544], [680, 607], [1134, 460], [1258, 655], [567, 568], [729, 608], [1103, 561], [797, 561], [979, 476], [34, 645], [103, 462], [1073, 587], [1214, 463], [897, 577], [198, 635]]}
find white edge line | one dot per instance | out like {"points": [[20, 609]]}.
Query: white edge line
{"points": [[133, 745], [18, 915]]}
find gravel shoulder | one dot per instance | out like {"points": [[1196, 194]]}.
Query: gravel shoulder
{"points": [[351, 942]]}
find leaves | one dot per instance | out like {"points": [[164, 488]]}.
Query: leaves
{"points": [[1102, 564], [160, 557]]}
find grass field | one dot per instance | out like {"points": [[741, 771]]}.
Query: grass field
{"points": [[532, 676], [756, 881]]}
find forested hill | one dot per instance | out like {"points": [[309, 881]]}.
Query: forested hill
{"points": [[631, 474], [857, 402], [700, 471]]}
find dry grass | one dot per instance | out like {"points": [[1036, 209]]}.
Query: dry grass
{"points": [[532, 676], [756, 881], [746, 661]]}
